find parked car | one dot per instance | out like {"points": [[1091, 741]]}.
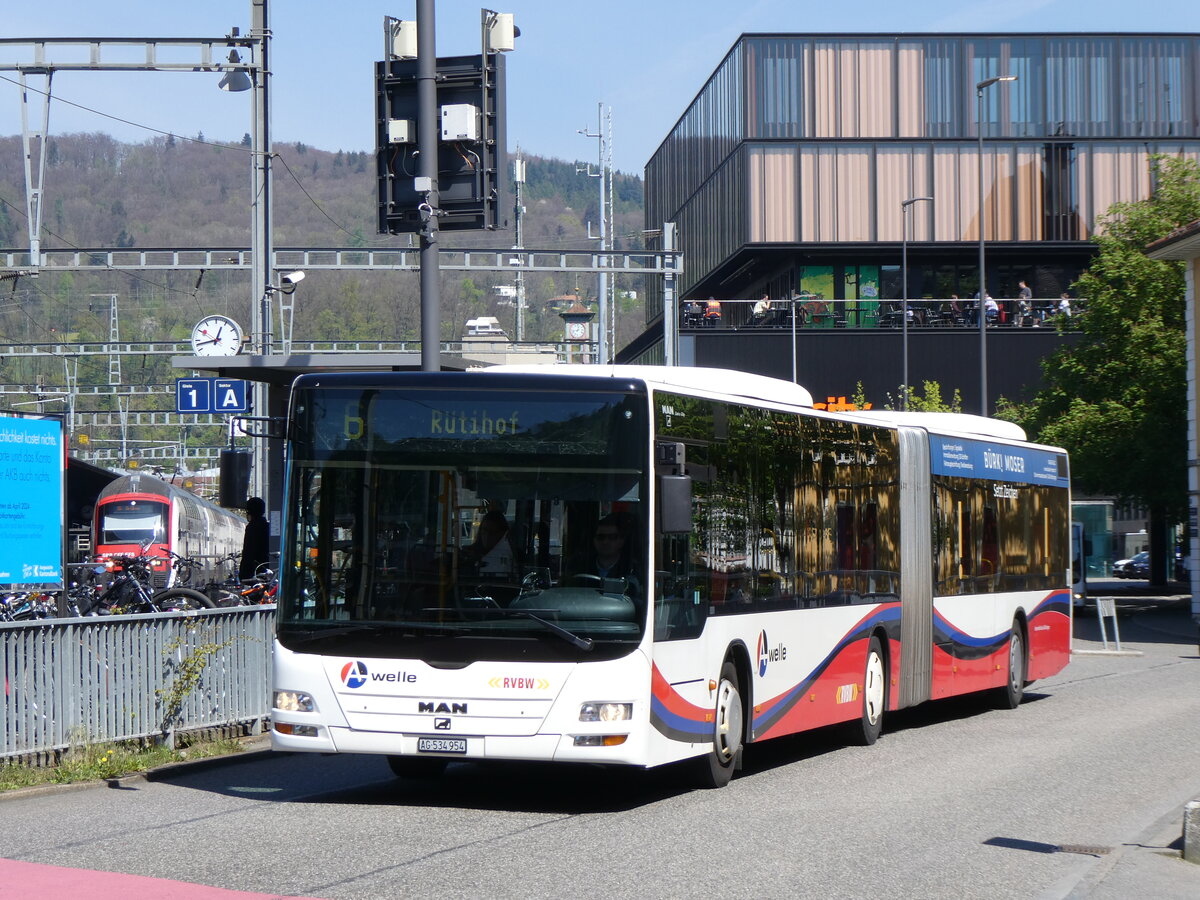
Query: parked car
{"points": [[1137, 566]]}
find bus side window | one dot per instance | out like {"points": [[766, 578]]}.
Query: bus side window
{"points": [[990, 548], [679, 607]]}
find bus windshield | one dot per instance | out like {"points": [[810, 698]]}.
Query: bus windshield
{"points": [[454, 525]]}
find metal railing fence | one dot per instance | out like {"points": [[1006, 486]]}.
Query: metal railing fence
{"points": [[68, 682]]}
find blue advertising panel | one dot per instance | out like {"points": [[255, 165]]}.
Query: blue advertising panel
{"points": [[33, 500], [997, 462]]}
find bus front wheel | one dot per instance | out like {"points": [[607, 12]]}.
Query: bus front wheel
{"points": [[715, 768]]}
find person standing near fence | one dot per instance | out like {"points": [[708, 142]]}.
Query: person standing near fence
{"points": [[256, 541], [1024, 304]]}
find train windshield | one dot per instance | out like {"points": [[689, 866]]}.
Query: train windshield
{"points": [[133, 522], [452, 525]]}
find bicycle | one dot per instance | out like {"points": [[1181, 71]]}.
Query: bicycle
{"points": [[261, 589], [130, 591], [25, 606]]}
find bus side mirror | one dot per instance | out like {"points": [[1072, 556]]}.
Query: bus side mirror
{"points": [[675, 504]]}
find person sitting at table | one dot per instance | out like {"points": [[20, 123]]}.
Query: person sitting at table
{"points": [[712, 312], [762, 311]]}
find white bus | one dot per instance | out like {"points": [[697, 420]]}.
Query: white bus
{"points": [[781, 568]]}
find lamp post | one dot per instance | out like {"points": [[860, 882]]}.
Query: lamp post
{"points": [[905, 206], [983, 396]]}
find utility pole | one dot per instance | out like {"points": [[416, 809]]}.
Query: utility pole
{"points": [[610, 286], [518, 219], [262, 248], [603, 354], [427, 183]]}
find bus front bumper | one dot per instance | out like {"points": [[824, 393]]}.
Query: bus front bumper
{"points": [[545, 747]]}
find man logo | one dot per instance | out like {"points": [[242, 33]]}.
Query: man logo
{"points": [[441, 724], [354, 674]]}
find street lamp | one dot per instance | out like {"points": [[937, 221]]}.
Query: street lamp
{"points": [[905, 206], [983, 401]]}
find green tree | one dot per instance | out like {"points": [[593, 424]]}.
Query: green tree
{"points": [[1116, 400], [930, 401]]}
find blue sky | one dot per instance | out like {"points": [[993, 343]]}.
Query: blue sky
{"points": [[646, 60]]}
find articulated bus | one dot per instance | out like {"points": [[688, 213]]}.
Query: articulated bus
{"points": [[781, 568]]}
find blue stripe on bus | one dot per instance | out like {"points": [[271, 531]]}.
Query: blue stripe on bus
{"points": [[770, 715]]}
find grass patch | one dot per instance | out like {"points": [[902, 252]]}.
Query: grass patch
{"points": [[97, 762]]}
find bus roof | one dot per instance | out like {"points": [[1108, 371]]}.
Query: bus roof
{"points": [[944, 422], [730, 382]]}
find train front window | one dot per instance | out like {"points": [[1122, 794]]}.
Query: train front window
{"points": [[452, 526], [132, 522]]}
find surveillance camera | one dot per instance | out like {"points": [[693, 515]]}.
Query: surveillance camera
{"points": [[288, 282]]}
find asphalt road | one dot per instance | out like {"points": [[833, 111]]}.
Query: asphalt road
{"points": [[957, 800]]}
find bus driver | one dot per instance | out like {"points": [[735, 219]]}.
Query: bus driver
{"points": [[609, 557]]}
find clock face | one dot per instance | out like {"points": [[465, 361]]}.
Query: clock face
{"points": [[577, 330], [216, 336]]}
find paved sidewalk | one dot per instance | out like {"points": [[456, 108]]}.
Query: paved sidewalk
{"points": [[1150, 864], [25, 880]]}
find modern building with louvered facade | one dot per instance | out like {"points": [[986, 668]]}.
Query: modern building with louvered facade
{"points": [[787, 174]]}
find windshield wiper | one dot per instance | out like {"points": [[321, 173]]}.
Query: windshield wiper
{"points": [[581, 642]]}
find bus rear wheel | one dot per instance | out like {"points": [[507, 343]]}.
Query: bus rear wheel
{"points": [[715, 768], [874, 696], [1013, 692]]}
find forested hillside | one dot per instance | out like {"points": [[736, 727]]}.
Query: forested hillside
{"points": [[170, 192]]}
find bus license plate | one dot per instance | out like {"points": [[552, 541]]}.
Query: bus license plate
{"points": [[441, 745]]}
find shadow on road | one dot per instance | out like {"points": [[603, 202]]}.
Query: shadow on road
{"points": [[543, 788]]}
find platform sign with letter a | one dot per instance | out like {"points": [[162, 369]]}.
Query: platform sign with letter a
{"points": [[212, 395], [230, 395]]}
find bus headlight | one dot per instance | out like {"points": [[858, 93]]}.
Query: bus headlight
{"points": [[605, 712], [599, 740], [294, 701]]}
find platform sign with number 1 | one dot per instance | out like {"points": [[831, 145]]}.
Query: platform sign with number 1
{"points": [[193, 395]]}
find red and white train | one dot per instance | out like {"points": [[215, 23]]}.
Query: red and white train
{"points": [[139, 514]]}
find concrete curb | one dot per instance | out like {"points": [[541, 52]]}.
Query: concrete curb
{"points": [[1191, 831], [158, 773], [186, 766]]}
